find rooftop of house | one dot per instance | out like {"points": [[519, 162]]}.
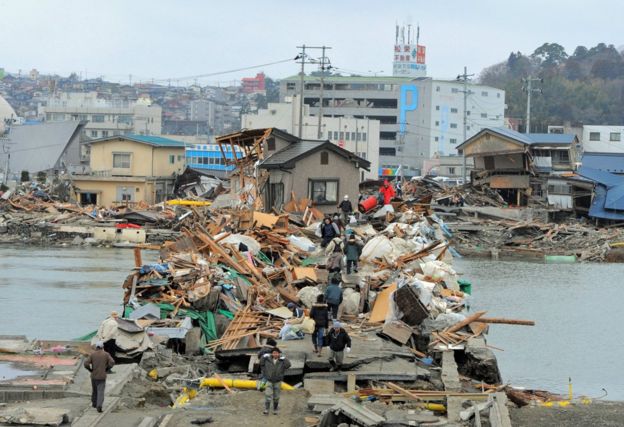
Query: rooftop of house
{"points": [[526, 139], [288, 156], [154, 141]]}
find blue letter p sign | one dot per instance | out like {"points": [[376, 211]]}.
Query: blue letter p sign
{"points": [[404, 106]]}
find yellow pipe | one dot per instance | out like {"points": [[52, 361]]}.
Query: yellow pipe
{"points": [[188, 202], [246, 384], [437, 407]]}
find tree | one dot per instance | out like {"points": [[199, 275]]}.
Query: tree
{"points": [[550, 54]]}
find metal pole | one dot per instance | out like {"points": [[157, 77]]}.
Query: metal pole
{"points": [[301, 82], [320, 113], [528, 112], [465, 76]]}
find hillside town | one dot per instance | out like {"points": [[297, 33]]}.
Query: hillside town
{"points": [[299, 248]]}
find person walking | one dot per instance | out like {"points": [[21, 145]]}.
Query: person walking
{"points": [[98, 363], [333, 296], [335, 261], [339, 343], [320, 314], [353, 250], [346, 209], [273, 367], [328, 230]]}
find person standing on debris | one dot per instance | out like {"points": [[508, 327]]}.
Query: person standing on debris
{"points": [[386, 192], [335, 262], [333, 296], [339, 343], [399, 190], [98, 363], [353, 250], [320, 314], [107, 333], [329, 230], [346, 209], [273, 366]]}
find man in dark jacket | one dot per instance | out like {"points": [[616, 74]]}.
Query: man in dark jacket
{"points": [[339, 342], [346, 209], [273, 366], [320, 314], [353, 250], [333, 296], [98, 363], [329, 230]]}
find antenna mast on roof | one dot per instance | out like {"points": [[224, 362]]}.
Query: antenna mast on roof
{"points": [[396, 34], [409, 33], [417, 33]]}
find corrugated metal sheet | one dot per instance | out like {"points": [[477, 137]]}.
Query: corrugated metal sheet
{"points": [[609, 162], [509, 181]]}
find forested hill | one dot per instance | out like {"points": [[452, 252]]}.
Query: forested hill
{"points": [[586, 87]]}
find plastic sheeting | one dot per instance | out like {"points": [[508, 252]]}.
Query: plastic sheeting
{"points": [[236, 239], [302, 243], [308, 295]]}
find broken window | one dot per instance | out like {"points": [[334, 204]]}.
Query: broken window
{"points": [[488, 162], [323, 191]]}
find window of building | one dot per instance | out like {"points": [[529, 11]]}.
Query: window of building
{"points": [[615, 136], [453, 110], [104, 133], [484, 115], [453, 125], [451, 171], [484, 93], [498, 94], [353, 136], [437, 88], [324, 158], [124, 119], [341, 135], [94, 134], [436, 139], [121, 160], [290, 86], [453, 140], [468, 112], [387, 151], [97, 118], [271, 144], [594, 136], [323, 191], [347, 136], [437, 123], [180, 157], [171, 159], [488, 162], [437, 108], [363, 136]]}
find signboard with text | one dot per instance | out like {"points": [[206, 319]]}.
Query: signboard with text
{"points": [[409, 60]]}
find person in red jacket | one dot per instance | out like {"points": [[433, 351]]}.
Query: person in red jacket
{"points": [[387, 192]]}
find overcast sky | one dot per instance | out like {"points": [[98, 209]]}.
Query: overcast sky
{"points": [[180, 38]]}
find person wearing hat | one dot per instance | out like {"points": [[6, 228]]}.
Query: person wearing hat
{"points": [[273, 367], [339, 342], [297, 311], [328, 230], [346, 209], [98, 362], [107, 333], [353, 250], [386, 191]]}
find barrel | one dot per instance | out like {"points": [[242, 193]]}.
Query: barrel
{"points": [[368, 204]]}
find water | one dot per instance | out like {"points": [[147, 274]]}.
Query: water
{"points": [[60, 293], [577, 309], [64, 293]]}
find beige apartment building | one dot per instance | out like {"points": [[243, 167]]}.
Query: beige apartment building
{"points": [[129, 169]]}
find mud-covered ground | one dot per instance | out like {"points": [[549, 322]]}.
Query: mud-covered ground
{"points": [[596, 414]]}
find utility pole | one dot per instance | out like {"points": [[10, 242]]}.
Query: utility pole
{"points": [[320, 113], [464, 78], [302, 58], [528, 89]]}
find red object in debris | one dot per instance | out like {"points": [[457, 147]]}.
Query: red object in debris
{"points": [[368, 204], [127, 226]]}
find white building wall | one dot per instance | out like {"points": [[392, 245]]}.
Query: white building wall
{"points": [[105, 118], [603, 139]]}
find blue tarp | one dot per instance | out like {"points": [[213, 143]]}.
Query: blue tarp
{"points": [[608, 162], [608, 201]]}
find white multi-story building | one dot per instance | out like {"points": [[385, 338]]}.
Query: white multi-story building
{"points": [[603, 139], [104, 118], [358, 135], [420, 118]]}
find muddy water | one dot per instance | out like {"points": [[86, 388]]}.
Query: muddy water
{"points": [[64, 293], [578, 314]]}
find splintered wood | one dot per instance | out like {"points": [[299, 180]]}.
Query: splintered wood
{"points": [[248, 326]]}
